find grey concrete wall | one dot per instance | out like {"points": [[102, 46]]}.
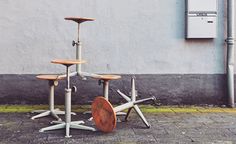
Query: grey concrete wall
{"points": [[169, 89], [134, 36], [146, 38]]}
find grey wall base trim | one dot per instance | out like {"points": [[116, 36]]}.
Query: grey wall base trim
{"points": [[169, 89]]}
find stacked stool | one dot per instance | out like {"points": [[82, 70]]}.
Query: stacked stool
{"points": [[103, 113], [53, 81], [103, 79]]}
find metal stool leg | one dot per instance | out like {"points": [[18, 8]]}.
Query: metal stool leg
{"points": [[127, 115], [140, 114], [38, 111], [68, 111], [105, 89], [43, 114], [82, 127], [53, 112], [55, 116], [54, 127]]}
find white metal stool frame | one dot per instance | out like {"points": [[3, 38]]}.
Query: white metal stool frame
{"points": [[79, 71], [132, 103], [102, 115], [78, 45], [52, 111], [68, 123], [104, 80], [106, 94]]}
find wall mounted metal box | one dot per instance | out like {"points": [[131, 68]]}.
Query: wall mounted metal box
{"points": [[201, 18]]}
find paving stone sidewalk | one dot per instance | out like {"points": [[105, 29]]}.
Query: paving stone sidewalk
{"points": [[167, 128]]}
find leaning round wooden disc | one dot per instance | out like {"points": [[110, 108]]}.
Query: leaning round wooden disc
{"points": [[103, 114]]}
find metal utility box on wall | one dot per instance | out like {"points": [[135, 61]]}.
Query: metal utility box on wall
{"points": [[201, 18]]}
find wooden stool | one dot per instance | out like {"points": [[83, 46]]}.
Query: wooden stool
{"points": [[68, 123], [104, 115], [52, 81], [104, 79], [78, 43]]}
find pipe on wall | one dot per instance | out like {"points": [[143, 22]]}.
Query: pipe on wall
{"points": [[230, 51]]}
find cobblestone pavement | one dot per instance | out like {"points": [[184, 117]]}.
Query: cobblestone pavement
{"points": [[168, 128]]}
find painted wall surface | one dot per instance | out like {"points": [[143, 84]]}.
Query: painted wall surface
{"points": [[128, 36]]}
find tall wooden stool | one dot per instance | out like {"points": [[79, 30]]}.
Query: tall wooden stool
{"points": [[68, 123], [52, 81], [78, 43]]}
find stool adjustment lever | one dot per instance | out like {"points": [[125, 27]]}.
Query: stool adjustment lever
{"points": [[75, 43], [74, 89]]}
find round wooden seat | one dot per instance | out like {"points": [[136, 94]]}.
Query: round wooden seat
{"points": [[107, 77], [103, 114], [67, 61], [79, 19], [50, 77]]}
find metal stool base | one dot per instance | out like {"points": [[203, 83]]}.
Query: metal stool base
{"points": [[54, 113], [135, 107], [67, 126]]}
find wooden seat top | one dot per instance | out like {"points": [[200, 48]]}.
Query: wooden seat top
{"points": [[50, 77], [103, 114], [107, 77], [67, 61], [79, 19]]}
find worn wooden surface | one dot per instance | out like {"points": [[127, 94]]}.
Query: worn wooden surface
{"points": [[79, 19], [108, 77], [103, 114], [67, 61], [50, 77]]}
